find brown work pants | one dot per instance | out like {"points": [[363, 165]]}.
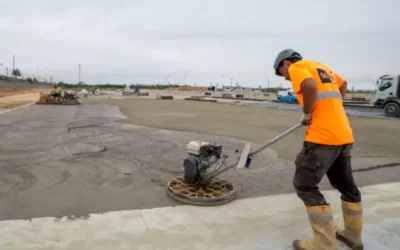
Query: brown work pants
{"points": [[316, 160]]}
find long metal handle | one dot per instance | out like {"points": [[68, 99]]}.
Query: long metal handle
{"points": [[269, 143], [277, 138]]}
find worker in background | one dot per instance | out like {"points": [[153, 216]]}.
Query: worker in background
{"points": [[57, 91], [326, 150]]}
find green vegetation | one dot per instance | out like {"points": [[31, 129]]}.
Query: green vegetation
{"points": [[117, 86], [16, 72], [14, 79], [90, 86]]}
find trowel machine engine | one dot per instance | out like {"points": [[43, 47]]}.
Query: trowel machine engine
{"points": [[203, 159]]}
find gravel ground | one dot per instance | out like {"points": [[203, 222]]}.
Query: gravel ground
{"points": [[77, 160]]}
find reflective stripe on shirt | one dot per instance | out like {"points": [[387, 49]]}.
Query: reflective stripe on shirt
{"points": [[329, 94]]}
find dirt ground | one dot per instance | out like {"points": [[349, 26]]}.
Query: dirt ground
{"points": [[14, 101], [5, 92], [16, 97]]}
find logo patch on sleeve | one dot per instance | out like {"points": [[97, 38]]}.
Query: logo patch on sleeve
{"points": [[325, 78]]}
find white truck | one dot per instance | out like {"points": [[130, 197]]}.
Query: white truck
{"points": [[388, 95]]}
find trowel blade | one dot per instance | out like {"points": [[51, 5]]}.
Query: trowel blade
{"points": [[243, 158]]}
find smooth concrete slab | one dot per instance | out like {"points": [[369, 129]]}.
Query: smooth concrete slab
{"points": [[270, 222]]}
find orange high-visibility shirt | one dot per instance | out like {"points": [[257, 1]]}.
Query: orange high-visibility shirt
{"points": [[329, 125]]}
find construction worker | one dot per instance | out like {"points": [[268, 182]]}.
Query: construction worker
{"points": [[326, 150], [57, 91]]}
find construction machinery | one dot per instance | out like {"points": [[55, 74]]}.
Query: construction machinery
{"points": [[204, 162], [388, 95], [66, 99]]}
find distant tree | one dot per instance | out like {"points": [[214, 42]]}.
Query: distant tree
{"points": [[16, 72]]}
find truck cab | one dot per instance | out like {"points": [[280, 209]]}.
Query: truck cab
{"points": [[287, 95], [388, 94]]}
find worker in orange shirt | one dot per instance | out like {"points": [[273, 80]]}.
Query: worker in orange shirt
{"points": [[326, 150]]}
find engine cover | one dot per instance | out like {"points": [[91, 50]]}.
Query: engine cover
{"points": [[201, 156], [195, 147]]}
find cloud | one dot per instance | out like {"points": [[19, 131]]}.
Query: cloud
{"points": [[144, 41]]}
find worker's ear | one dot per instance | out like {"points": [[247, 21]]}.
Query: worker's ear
{"points": [[286, 63]]}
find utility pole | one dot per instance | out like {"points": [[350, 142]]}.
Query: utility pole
{"points": [[79, 76], [266, 76], [5, 68], [184, 77], [13, 71], [166, 79], [373, 82], [231, 80]]}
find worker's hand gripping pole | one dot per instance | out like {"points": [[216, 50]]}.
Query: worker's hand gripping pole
{"points": [[245, 158]]}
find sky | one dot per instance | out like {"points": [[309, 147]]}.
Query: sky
{"points": [[218, 42]]}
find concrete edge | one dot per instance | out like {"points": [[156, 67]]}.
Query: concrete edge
{"points": [[268, 222]]}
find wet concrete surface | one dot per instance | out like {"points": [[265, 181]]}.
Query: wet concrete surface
{"points": [[350, 110], [373, 137], [76, 160]]}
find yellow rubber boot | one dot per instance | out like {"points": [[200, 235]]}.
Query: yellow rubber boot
{"points": [[321, 222], [353, 221]]}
